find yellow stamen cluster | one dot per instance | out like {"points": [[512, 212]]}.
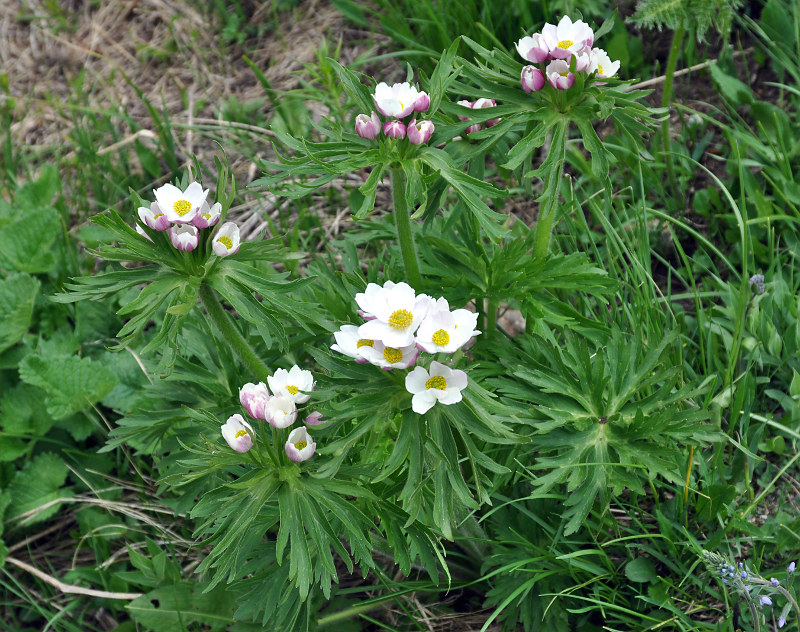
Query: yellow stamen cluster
{"points": [[436, 381], [300, 445], [600, 69], [401, 319], [225, 241], [292, 389], [392, 355], [240, 433], [181, 207], [157, 215], [363, 342], [441, 338], [565, 44]]}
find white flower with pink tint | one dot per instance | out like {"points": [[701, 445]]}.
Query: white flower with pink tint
{"points": [[532, 79], [533, 48], [368, 126], [184, 236], [254, 399], [558, 74], [227, 240], [153, 217], [296, 383], [396, 101], [281, 411], [238, 433], [443, 331], [208, 215], [300, 446], [419, 132], [601, 62], [398, 312], [568, 38], [348, 343], [180, 207], [389, 358]]}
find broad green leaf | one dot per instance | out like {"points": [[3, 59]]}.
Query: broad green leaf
{"points": [[28, 239], [17, 297], [178, 607], [37, 485], [72, 383], [641, 570]]}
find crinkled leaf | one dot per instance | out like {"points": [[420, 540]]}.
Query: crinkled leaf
{"points": [[28, 239], [36, 485], [17, 297]]}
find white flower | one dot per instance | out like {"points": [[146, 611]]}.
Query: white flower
{"points": [[226, 241], [397, 101], [208, 216], [389, 358], [568, 38], [300, 446], [295, 383], [601, 62], [349, 344], [180, 207], [533, 48], [442, 384], [397, 312], [238, 433], [445, 331], [184, 236], [254, 398], [153, 217], [281, 411]]}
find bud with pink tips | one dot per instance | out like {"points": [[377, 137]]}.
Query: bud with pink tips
{"points": [[184, 236], [395, 129], [532, 79], [419, 132], [237, 433], [422, 103], [208, 215], [300, 446], [472, 128], [368, 126], [153, 217], [558, 74], [533, 48], [398, 100], [486, 103], [254, 399]]}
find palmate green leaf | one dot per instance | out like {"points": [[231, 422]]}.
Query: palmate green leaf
{"points": [[36, 485], [18, 294], [28, 239], [71, 383]]}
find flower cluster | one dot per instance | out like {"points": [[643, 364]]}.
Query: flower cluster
{"points": [[478, 105], [184, 214], [559, 46], [396, 103], [279, 410], [755, 589], [399, 324]]}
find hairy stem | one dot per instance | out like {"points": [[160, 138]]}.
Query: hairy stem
{"points": [[227, 329], [402, 221]]}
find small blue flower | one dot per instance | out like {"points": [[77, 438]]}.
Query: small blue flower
{"points": [[744, 574], [791, 568], [774, 582], [781, 622], [765, 601]]}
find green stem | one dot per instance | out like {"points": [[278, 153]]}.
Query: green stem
{"points": [[227, 329], [547, 210], [491, 318], [402, 220], [666, 99]]}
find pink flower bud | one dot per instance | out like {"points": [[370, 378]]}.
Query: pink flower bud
{"points": [[532, 79], [533, 48], [558, 74], [395, 129], [254, 399], [314, 419], [419, 132], [368, 126], [422, 103]]}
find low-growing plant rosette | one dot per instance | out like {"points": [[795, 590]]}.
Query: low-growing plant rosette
{"points": [[399, 325], [560, 53]]}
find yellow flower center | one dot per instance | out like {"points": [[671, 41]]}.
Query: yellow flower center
{"points": [[563, 74], [300, 445], [363, 342], [181, 207], [292, 389], [401, 319], [207, 216], [240, 433], [225, 241], [565, 44], [441, 338], [402, 107], [436, 381], [392, 355], [600, 68]]}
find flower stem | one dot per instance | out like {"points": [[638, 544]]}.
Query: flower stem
{"points": [[227, 329], [547, 210], [666, 99], [402, 221]]}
